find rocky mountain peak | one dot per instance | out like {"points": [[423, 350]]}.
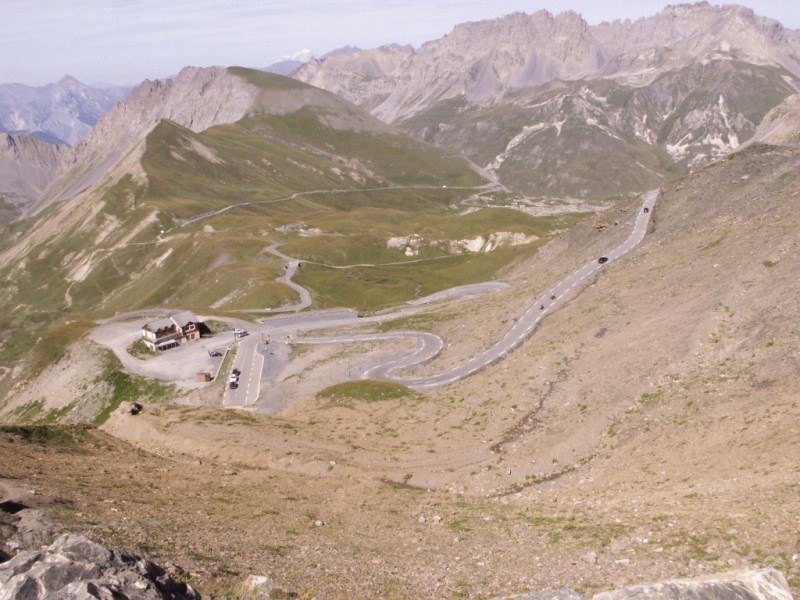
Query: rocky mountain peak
{"points": [[198, 98], [62, 112], [682, 34], [482, 61], [75, 567], [27, 165], [478, 60]]}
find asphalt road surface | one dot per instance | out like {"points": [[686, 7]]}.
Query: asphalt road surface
{"points": [[283, 331], [430, 345]]}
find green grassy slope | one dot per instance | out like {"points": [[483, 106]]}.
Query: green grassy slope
{"points": [[194, 232]]}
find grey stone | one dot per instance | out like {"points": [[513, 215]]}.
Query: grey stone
{"points": [[763, 584], [76, 568]]}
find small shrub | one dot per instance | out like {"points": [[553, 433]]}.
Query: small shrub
{"points": [[365, 391], [139, 349]]}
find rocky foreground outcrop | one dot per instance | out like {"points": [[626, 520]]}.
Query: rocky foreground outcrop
{"points": [[75, 568], [760, 584]]}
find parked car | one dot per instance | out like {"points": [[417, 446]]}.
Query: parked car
{"points": [[233, 378], [602, 259], [215, 353], [236, 372], [233, 385], [646, 209]]}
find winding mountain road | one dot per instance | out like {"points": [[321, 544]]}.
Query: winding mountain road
{"points": [[292, 264], [430, 345], [288, 330]]}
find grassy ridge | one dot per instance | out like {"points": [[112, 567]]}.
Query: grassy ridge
{"points": [[373, 288], [359, 186]]}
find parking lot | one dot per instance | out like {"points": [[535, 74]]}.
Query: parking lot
{"points": [[178, 365]]}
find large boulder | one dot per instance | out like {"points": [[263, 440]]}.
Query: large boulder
{"points": [[76, 568], [762, 584]]}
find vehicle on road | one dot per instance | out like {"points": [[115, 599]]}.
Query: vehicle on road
{"points": [[215, 353], [233, 378], [602, 259], [646, 209], [236, 372], [233, 385], [240, 332], [552, 297]]}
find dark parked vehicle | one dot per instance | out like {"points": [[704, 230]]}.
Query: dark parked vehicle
{"points": [[602, 259], [646, 209], [552, 297], [215, 353], [236, 372], [233, 385]]}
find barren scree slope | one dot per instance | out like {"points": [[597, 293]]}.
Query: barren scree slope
{"points": [[647, 430]]}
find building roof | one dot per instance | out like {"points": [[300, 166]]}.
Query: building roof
{"points": [[181, 319]]}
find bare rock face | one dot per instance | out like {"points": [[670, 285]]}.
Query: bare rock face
{"points": [[480, 61], [346, 74], [27, 166], [680, 34], [62, 112], [764, 584], [781, 126], [75, 568], [534, 98], [196, 99]]}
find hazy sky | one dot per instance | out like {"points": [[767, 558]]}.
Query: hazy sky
{"points": [[127, 41]]}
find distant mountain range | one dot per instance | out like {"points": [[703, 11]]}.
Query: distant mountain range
{"points": [[174, 152], [554, 106], [546, 104], [289, 64], [59, 113]]}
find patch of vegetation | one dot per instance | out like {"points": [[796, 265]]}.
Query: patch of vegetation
{"points": [[715, 243], [140, 350], [59, 436], [222, 417], [265, 80], [52, 346], [55, 415], [125, 387], [770, 263], [215, 327], [365, 391], [28, 412], [373, 288], [460, 524], [419, 322]]}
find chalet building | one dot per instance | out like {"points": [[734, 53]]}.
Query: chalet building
{"points": [[171, 331]]}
